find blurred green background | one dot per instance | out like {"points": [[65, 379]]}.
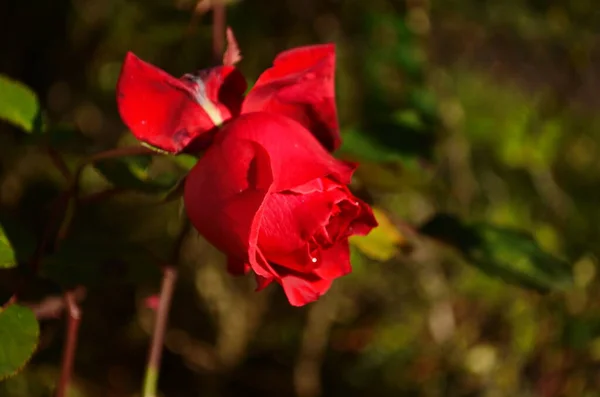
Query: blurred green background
{"points": [[483, 109]]}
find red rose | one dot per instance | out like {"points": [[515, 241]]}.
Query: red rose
{"points": [[268, 195], [266, 192], [171, 114]]}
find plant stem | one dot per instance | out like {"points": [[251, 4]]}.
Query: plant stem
{"points": [[58, 162], [218, 31], [112, 153], [73, 321], [158, 335]]}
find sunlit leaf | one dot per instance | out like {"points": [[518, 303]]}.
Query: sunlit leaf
{"points": [[19, 332], [7, 253], [19, 105], [381, 243], [133, 173], [512, 255]]}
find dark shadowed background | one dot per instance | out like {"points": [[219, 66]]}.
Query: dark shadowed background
{"points": [[484, 109]]}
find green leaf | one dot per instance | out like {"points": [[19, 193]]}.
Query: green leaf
{"points": [[360, 146], [19, 332], [381, 243], [8, 257], [509, 254], [134, 173], [17, 242], [19, 105]]}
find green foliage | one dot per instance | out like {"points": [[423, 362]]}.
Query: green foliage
{"points": [[16, 242], [399, 118], [134, 173], [19, 332], [383, 242], [19, 105], [7, 253], [509, 254]]}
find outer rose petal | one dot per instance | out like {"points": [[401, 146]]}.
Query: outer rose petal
{"points": [[224, 86], [170, 113], [296, 156], [300, 290], [224, 192], [289, 220], [301, 85]]}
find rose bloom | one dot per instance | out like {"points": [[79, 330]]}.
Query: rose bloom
{"points": [[266, 192]]}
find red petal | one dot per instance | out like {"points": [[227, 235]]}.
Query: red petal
{"points": [[263, 282], [300, 290], [159, 109], [219, 199], [170, 113], [236, 266], [223, 86], [301, 85], [289, 221], [296, 157], [334, 262]]}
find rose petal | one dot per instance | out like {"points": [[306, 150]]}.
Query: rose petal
{"points": [[236, 266], [223, 86], [301, 290], [365, 221], [296, 156], [158, 108], [169, 113], [289, 222], [263, 282], [219, 198], [334, 262], [301, 85]]}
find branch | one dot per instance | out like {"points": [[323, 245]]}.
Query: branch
{"points": [[53, 306], [162, 316], [218, 31], [73, 320]]}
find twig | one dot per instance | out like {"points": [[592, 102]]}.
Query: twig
{"points": [[162, 315], [58, 162], [321, 316], [101, 195], [73, 321], [218, 31], [53, 306]]}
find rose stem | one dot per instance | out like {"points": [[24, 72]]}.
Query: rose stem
{"points": [[218, 30], [73, 320], [73, 310], [58, 162], [158, 335]]}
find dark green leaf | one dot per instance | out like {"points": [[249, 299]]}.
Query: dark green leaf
{"points": [[16, 243], [19, 105], [134, 173], [7, 253], [19, 332], [512, 255], [360, 146]]}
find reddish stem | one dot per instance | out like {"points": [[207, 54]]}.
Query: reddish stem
{"points": [[73, 321], [218, 31], [158, 336], [58, 162]]}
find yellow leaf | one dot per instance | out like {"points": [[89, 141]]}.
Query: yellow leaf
{"points": [[383, 241]]}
